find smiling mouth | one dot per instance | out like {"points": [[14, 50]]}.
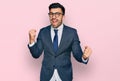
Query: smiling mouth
{"points": [[54, 21]]}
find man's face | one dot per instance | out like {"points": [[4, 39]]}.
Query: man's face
{"points": [[56, 17]]}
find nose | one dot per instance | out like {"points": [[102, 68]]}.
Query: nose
{"points": [[53, 16]]}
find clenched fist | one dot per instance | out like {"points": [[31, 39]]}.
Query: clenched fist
{"points": [[32, 35], [87, 52]]}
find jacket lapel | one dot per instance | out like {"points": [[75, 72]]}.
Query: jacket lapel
{"points": [[62, 42], [63, 38], [49, 40]]}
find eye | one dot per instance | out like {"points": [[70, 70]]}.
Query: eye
{"points": [[50, 13]]}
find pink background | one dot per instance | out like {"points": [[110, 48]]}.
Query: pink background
{"points": [[98, 25]]}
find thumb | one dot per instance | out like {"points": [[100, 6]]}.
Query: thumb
{"points": [[86, 47], [34, 30]]}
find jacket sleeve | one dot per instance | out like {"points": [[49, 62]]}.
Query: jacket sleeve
{"points": [[37, 49], [76, 48]]}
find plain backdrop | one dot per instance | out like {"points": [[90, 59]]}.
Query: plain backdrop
{"points": [[98, 26]]}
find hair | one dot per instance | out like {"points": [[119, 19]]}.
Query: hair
{"points": [[57, 5]]}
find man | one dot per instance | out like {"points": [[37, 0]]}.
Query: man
{"points": [[57, 41]]}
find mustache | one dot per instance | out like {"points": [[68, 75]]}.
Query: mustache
{"points": [[53, 19]]}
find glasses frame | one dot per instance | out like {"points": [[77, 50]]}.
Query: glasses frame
{"points": [[56, 14]]}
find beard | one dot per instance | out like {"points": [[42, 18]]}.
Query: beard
{"points": [[56, 23]]}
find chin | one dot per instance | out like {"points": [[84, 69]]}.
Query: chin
{"points": [[55, 26]]}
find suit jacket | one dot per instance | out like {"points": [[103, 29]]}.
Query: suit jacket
{"points": [[61, 60]]}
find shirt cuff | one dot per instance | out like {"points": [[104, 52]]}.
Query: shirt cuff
{"points": [[30, 45], [84, 60]]}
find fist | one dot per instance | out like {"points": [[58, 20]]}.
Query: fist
{"points": [[32, 35], [87, 52]]}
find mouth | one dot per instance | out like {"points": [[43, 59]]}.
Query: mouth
{"points": [[54, 20]]}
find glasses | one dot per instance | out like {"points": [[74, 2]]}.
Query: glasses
{"points": [[57, 14]]}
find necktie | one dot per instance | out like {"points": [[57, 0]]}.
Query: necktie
{"points": [[55, 41]]}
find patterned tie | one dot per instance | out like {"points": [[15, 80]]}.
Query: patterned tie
{"points": [[55, 41]]}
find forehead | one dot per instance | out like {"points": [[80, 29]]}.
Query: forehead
{"points": [[55, 10]]}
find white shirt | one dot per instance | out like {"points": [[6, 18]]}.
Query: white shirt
{"points": [[60, 30], [55, 76]]}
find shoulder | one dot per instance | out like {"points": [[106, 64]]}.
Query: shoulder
{"points": [[45, 28], [70, 29]]}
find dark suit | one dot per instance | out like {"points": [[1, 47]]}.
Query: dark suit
{"points": [[61, 60]]}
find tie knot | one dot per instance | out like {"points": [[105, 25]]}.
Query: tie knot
{"points": [[55, 31]]}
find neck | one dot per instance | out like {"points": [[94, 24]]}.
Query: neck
{"points": [[57, 26]]}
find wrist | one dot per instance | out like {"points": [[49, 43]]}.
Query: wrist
{"points": [[31, 41], [84, 57]]}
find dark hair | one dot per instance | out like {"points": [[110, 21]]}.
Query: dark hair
{"points": [[57, 5]]}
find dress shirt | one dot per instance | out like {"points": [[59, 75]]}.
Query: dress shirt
{"points": [[55, 76]]}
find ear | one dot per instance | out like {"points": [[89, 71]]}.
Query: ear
{"points": [[63, 17]]}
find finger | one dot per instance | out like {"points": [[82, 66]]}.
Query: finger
{"points": [[89, 52], [32, 30], [86, 55], [86, 49]]}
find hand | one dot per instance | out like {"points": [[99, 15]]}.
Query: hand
{"points": [[32, 35], [87, 52]]}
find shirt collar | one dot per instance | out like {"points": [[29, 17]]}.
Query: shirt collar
{"points": [[58, 28]]}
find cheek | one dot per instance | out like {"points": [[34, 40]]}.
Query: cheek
{"points": [[60, 19], [50, 18]]}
